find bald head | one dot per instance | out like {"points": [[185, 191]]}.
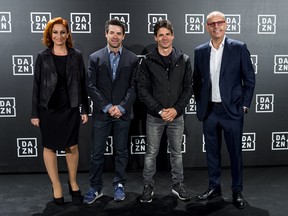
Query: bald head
{"points": [[215, 14]]}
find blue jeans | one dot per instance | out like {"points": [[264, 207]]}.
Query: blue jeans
{"points": [[100, 133], [154, 130]]}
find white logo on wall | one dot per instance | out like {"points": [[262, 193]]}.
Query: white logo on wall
{"points": [[194, 23], [280, 64], [80, 22], [124, 17], [191, 107], [233, 23], [264, 103], [183, 146], [90, 108], [203, 144], [7, 107], [154, 18], [27, 147], [138, 144], [280, 141], [254, 60], [109, 146], [22, 64], [39, 21], [5, 22], [248, 141], [266, 24], [61, 153]]}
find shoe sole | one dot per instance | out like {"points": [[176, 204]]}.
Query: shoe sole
{"points": [[240, 207], [181, 198], [209, 197], [147, 201], [97, 197], [118, 200]]}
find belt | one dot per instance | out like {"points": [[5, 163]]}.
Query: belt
{"points": [[215, 103]]}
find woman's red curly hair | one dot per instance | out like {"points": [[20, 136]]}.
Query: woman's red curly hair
{"points": [[47, 39]]}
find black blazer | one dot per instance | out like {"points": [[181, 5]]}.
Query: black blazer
{"points": [[103, 90], [45, 80], [237, 78]]}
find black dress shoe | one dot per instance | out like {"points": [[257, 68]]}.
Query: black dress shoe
{"points": [[238, 200], [209, 194]]}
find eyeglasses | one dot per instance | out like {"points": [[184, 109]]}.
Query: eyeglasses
{"points": [[213, 24]]}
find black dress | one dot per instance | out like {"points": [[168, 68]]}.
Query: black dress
{"points": [[59, 123]]}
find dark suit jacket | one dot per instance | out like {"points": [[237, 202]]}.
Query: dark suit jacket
{"points": [[237, 78], [103, 91]]}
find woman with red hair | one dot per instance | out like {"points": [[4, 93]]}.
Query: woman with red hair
{"points": [[58, 96]]}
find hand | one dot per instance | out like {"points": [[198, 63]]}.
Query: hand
{"points": [[168, 114], [84, 118], [115, 112], [35, 121], [111, 111]]}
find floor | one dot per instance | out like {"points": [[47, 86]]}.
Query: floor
{"points": [[265, 189]]}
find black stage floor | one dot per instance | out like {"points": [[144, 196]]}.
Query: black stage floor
{"points": [[265, 189]]}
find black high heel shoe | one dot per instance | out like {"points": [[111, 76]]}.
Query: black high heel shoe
{"points": [[77, 198], [58, 201]]}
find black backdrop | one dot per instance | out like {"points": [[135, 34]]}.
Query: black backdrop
{"points": [[262, 24]]}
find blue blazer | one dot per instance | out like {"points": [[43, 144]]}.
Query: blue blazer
{"points": [[237, 78], [103, 90]]}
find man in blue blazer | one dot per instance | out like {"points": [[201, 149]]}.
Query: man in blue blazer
{"points": [[223, 84], [111, 87]]}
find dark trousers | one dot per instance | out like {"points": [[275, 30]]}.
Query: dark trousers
{"points": [[218, 122], [100, 133]]}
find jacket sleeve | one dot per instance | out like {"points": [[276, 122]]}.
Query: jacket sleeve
{"points": [[186, 87], [196, 78], [248, 77], [99, 100], [84, 96], [144, 88], [130, 96], [36, 88]]}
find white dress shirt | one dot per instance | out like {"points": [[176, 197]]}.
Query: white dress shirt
{"points": [[215, 66]]}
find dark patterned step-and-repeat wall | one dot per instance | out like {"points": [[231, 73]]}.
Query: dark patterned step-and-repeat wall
{"points": [[261, 24]]}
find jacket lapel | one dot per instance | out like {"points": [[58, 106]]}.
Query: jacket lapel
{"points": [[107, 61], [51, 64], [207, 58], [121, 62], [226, 56]]}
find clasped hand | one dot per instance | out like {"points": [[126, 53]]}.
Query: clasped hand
{"points": [[115, 112], [168, 114]]}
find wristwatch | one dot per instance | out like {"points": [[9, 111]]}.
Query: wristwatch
{"points": [[160, 112]]}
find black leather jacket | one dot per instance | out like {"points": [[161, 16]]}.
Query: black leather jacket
{"points": [[45, 80]]}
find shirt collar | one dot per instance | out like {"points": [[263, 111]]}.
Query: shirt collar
{"points": [[222, 43], [119, 51]]}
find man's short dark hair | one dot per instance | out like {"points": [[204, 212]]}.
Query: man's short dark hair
{"points": [[164, 23], [116, 22]]}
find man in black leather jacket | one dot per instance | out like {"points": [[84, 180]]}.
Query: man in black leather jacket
{"points": [[165, 87]]}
